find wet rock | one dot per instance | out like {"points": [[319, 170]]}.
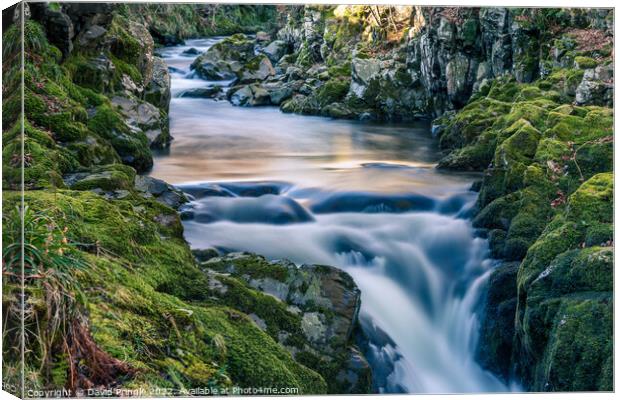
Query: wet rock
{"points": [[264, 209], [164, 193], [497, 331], [355, 377], [192, 51], [249, 96], [204, 93]]}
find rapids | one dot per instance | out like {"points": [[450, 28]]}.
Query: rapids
{"points": [[364, 197]]}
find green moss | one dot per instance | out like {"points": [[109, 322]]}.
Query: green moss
{"points": [[332, 91], [131, 146], [110, 177], [143, 308], [585, 62]]}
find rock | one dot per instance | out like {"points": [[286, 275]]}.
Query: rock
{"points": [[258, 68], [160, 190], [241, 96], [596, 87], [263, 36], [338, 110], [145, 57], [95, 73], [204, 93], [57, 24], [497, 331], [249, 96], [91, 37], [313, 327], [258, 321], [144, 117], [205, 255], [355, 377], [157, 91], [224, 59], [363, 70], [458, 80], [275, 50], [192, 51], [324, 300], [278, 92], [107, 178]]}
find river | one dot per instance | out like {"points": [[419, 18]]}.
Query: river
{"points": [[364, 197]]}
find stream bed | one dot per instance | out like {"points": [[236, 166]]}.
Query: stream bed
{"points": [[364, 197]]}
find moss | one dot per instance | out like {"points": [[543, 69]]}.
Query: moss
{"points": [[131, 146], [110, 177], [332, 91], [585, 62], [44, 161], [172, 341], [561, 283]]}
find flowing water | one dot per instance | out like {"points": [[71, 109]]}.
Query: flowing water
{"points": [[363, 197]]}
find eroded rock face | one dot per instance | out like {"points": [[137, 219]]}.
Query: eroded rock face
{"points": [[157, 90], [323, 301]]}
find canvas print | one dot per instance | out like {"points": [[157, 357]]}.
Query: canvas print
{"points": [[223, 199]]}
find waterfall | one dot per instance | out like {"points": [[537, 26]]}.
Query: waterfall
{"points": [[362, 197]]}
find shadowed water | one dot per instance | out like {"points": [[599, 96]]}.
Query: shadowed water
{"points": [[362, 197]]}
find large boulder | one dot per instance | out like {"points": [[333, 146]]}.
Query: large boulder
{"points": [[363, 71], [275, 50], [258, 68], [224, 59], [322, 301]]}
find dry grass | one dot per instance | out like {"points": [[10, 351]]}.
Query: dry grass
{"points": [[590, 39]]}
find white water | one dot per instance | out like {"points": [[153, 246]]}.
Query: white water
{"points": [[362, 197]]}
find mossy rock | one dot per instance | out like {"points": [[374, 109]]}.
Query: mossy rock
{"points": [[585, 62], [150, 307], [107, 178], [131, 146]]}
